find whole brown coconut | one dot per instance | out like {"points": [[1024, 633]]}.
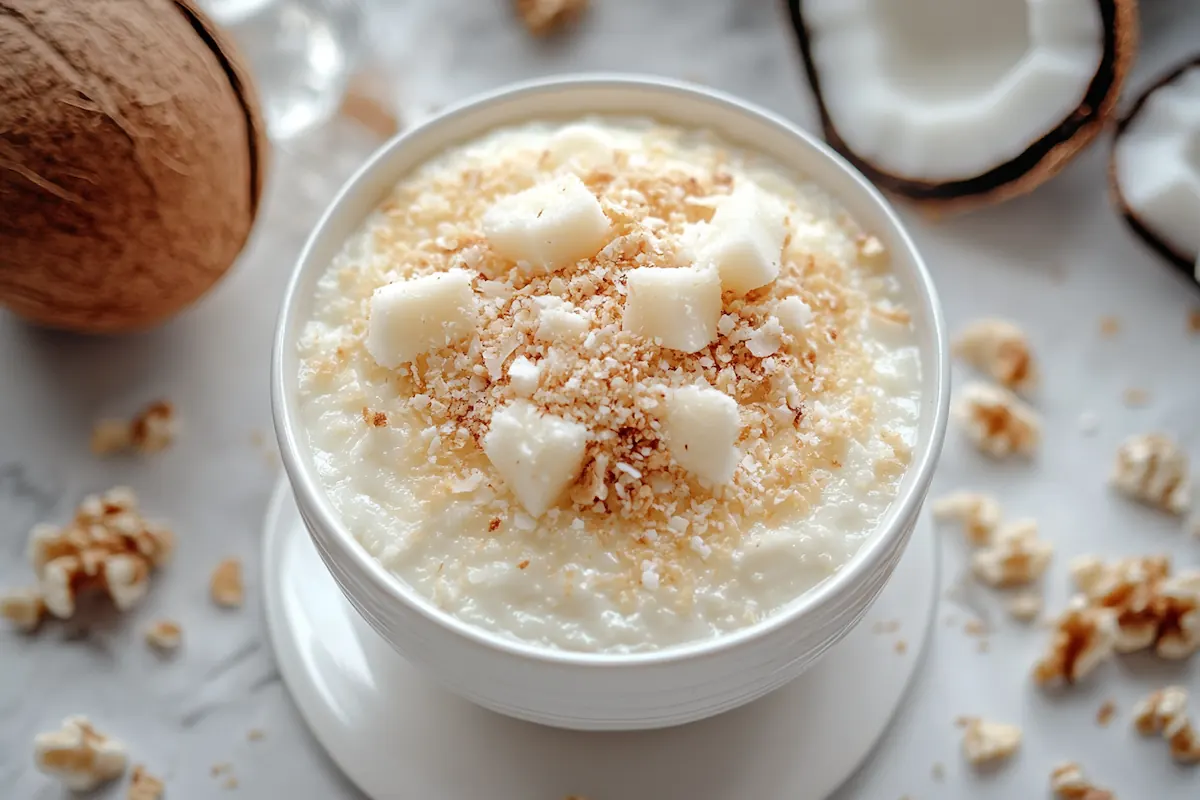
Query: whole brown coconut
{"points": [[132, 152]]}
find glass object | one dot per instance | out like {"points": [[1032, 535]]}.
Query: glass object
{"points": [[301, 53]]}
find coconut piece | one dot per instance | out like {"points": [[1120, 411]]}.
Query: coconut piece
{"points": [[134, 151], [958, 104], [1153, 168]]}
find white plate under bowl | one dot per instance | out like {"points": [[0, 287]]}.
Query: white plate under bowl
{"points": [[398, 735]]}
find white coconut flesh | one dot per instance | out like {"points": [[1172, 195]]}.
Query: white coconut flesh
{"points": [[947, 90], [1156, 163]]}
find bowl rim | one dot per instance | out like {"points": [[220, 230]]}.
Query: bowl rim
{"points": [[871, 554]]}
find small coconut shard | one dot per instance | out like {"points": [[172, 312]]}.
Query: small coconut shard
{"points": [[963, 103], [1154, 169], [132, 153]]}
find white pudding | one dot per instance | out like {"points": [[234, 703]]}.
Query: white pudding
{"points": [[589, 458]]}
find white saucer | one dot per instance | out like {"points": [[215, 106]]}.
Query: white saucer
{"points": [[397, 734]]}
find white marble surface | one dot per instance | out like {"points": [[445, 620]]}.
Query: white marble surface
{"points": [[1056, 261]]}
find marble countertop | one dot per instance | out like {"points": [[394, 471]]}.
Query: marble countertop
{"points": [[1057, 261]]}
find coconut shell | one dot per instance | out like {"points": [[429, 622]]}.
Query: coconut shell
{"points": [[1042, 160], [132, 151], [1184, 262]]}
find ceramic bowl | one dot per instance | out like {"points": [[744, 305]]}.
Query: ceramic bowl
{"points": [[610, 691]]}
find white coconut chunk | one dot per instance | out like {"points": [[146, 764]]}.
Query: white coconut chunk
{"points": [[559, 320], [550, 226], [701, 431], [415, 316], [537, 455], [793, 314], [523, 376], [1156, 160], [677, 306], [581, 145], [942, 90], [744, 240]]}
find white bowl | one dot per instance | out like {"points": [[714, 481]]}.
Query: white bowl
{"points": [[610, 691]]}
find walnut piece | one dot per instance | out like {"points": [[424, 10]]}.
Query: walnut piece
{"points": [[1153, 608], [997, 421], [1084, 637], [1016, 558], [1151, 469], [1165, 712], [78, 756], [1067, 781], [976, 512], [999, 348], [987, 742], [1025, 607], [108, 546], [152, 430], [144, 786], [542, 17], [225, 586], [24, 608], [164, 635]]}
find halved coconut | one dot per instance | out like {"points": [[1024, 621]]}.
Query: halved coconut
{"points": [[1154, 170], [957, 103]]}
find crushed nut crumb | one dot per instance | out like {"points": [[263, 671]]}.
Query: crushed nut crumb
{"points": [[1152, 469], [1110, 326], [1025, 607], [108, 546], [256, 734], [1000, 349], [978, 513], [79, 756], [375, 419], [1083, 638], [225, 585], [975, 627], [24, 608], [1016, 558], [144, 786], [1135, 397], [987, 742], [999, 423], [1067, 781], [901, 647], [164, 635], [545, 16], [1193, 321], [220, 768], [152, 430], [1106, 712]]}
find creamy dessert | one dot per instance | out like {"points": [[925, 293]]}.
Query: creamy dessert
{"points": [[609, 386]]}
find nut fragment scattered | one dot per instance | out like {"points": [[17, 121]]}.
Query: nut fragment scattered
{"points": [[978, 513], [542, 17], [108, 546], [1152, 469], [987, 742], [1001, 349], [1025, 607], [144, 786], [152, 430], [1154, 609], [78, 755], [999, 423], [1084, 637], [225, 586], [1068, 782], [164, 635], [1016, 557], [1110, 326], [1106, 712], [1165, 712], [24, 608], [1135, 397]]}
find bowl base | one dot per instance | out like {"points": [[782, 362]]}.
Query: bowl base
{"points": [[397, 734]]}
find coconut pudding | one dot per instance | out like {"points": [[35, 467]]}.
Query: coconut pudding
{"points": [[609, 386]]}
